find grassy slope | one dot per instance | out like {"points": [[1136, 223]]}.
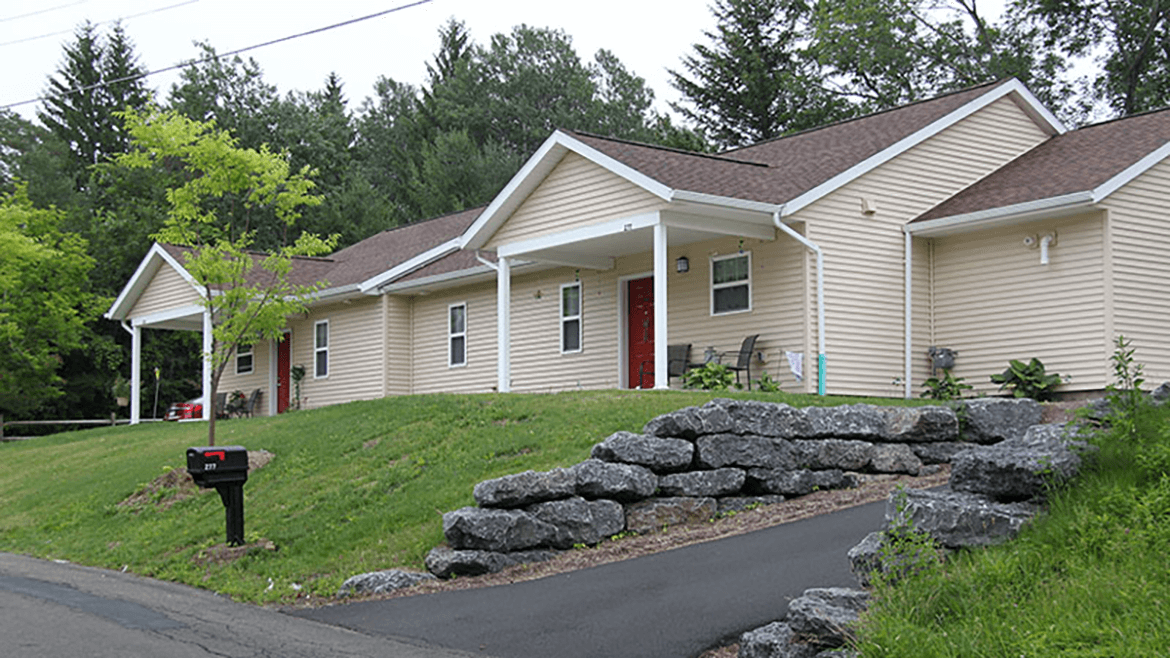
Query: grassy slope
{"points": [[1091, 578], [353, 488]]}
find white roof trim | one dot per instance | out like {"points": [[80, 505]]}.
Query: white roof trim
{"points": [[370, 286], [141, 279], [1058, 205], [169, 314], [580, 234], [725, 201], [1027, 101], [474, 272], [1131, 172], [534, 172]]}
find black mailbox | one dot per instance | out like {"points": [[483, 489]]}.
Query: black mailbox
{"points": [[226, 469], [212, 465]]}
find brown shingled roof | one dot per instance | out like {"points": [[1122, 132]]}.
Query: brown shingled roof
{"points": [[1077, 161], [782, 169]]}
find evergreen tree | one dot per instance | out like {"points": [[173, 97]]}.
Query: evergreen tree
{"points": [[755, 80]]}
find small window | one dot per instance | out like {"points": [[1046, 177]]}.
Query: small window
{"points": [[321, 349], [570, 318], [731, 283], [244, 360], [457, 335]]}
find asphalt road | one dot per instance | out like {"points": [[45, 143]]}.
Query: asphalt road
{"points": [[60, 610], [674, 604]]}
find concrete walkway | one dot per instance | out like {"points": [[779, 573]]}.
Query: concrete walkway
{"points": [[674, 604]]}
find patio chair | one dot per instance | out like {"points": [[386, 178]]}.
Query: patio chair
{"points": [[746, 351], [220, 408], [676, 364], [250, 406]]}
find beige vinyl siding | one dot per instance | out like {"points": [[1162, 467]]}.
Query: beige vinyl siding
{"points": [[1140, 231], [576, 193], [864, 254], [167, 290], [355, 353], [397, 314], [994, 301], [258, 379], [431, 373]]}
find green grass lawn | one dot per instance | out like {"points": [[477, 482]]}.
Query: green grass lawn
{"points": [[352, 488], [1089, 578]]}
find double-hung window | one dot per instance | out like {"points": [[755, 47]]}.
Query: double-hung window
{"points": [[731, 283], [321, 349], [570, 318], [457, 335], [244, 360]]}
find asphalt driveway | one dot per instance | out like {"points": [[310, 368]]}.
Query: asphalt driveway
{"points": [[674, 604]]}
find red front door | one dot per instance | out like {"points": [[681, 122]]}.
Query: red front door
{"points": [[640, 322], [283, 378]]}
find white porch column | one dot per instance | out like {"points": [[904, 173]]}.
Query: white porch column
{"points": [[208, 343], [661, 373], [504, 325], [135, 375]]}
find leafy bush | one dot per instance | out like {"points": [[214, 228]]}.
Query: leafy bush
{"points": [[710, 377], [766, 384], [948, 387], [1125, 393], [1028, 380]]}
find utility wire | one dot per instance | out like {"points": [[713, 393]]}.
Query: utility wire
{"points": [[218, 56], [114, 20], [41, 11]]}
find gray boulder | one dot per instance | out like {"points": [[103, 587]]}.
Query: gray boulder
{"points": [[495, 530], [381, 582], [797, 483], [745, 503], [656, 513], [690, 423], [1161, 394], [957, 519], [843, 454], [578, 521], [718, 482], [446, 562], [938, 453], [920, 424], [1019, 469], [655, 453], [865, 559], [525, 488], [751, 451], [825, 616], [620, 482], [776, 640], [848, 421], [991, 420], [895, 458], [778, 421]]}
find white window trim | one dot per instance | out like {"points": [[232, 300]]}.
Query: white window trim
{"points": [[732, 284], [451, 335], [251, 353], [579, 317], [317, 349]]}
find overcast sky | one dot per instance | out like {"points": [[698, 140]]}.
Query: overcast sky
{"points": [[649, 36]]}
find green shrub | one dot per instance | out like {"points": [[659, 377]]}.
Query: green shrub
{"points": [[948, 387], [766, 384], [1028, 380], [710, 377], [1125, 396]]}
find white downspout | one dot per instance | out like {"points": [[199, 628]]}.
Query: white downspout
{"points": [[503, 270], [812, 246], [909, 321]]}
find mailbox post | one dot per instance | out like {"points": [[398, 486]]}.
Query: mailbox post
{"points": [[226, 469]]}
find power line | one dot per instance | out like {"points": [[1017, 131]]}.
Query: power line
{"points": [[41, 11], [218, 56], [114, 20]]}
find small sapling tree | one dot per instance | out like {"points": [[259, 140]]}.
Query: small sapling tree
{"points": [[225, 194]]}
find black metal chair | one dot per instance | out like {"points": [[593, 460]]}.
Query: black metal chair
{"points": [[221, 408], [676, 364], [744, 362], [250, 405]]}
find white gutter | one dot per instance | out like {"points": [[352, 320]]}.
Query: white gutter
{"points": [[811, 246], [909, 304], [1052, 206]]}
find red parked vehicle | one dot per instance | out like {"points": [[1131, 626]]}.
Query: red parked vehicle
{"points": [[190, 410]]}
